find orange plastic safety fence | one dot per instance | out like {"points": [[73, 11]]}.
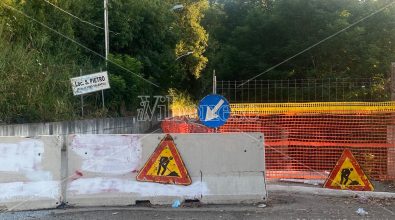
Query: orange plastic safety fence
{"points": [[308, 145], [183, 125]]}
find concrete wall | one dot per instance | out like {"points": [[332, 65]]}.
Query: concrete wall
{"points": [[126, 125]]}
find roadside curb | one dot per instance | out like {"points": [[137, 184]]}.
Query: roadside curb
{"points": [[326, 192]]}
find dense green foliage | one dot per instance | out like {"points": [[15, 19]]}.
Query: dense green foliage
{"points": [[177, 48], [248, 37], [146, 39]]}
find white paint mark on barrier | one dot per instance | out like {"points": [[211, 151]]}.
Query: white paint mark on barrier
{"points": [[111, 154], [102, 185], [29, 190], [39, 175], [30, 172], [21, 156]]}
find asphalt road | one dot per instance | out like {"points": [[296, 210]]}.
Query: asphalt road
{"points": [[279, 206]]}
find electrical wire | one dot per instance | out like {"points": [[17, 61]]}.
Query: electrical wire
{"points": [[320, 42], [79, 44], [78, 18]]}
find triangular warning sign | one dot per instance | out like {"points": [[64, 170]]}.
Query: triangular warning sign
{"points": [[347, 174], [165, 165]]}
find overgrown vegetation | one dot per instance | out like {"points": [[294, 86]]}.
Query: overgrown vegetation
{"points": [[182, 103], [178, 49]]}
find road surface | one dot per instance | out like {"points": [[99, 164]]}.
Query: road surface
{"points": [[279, 206]]}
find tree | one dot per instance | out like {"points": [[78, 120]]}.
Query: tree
{"points": [[252, 36]]}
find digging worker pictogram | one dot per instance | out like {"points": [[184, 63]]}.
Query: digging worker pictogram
{"points": [[163, 162], [345, 175]]}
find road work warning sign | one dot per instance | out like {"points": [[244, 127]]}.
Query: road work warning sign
{"points": [[347, 174], [165, 165]]}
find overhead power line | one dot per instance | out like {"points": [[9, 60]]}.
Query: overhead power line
{"points": [[76, 17], [78, 43], [321, 41]]}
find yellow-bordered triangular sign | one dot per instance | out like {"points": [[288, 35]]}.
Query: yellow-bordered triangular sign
{"points": [[165, 165], [347, 174]]}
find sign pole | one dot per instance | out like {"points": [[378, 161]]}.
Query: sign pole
{"points": [[82, 99], [102, 93], [215, 92], [102, 97], [214, 83]]}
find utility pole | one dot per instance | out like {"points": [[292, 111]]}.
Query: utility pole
{"points": [[106, 39]]}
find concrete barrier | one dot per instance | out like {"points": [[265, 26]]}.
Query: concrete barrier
{"points": [[224, 168], [30, 172]]}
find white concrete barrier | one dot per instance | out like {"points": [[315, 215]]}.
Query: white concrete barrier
{"points": [[224, 168], [30, 172]]}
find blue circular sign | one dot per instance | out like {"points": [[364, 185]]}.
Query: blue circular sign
{"points": [[214, 110]]}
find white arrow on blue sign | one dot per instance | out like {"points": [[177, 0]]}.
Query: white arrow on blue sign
{"points": [[214, 111]]}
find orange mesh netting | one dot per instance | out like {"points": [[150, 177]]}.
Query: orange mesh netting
{"points": [[305, 140]]}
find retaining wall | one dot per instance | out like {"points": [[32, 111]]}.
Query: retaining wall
{"points": [[125, 125]]}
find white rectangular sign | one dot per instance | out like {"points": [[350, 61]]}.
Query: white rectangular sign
{"points": [[90, 83]]}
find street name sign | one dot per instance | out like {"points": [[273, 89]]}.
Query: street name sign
{"points": [[90, 83]]}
